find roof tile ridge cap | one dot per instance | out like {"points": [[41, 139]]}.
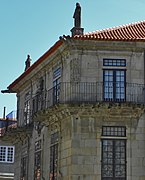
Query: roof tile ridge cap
{"points": [[89, 33]]}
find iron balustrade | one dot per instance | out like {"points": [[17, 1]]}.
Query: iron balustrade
{"points": [[84, 92], [72, 93]]}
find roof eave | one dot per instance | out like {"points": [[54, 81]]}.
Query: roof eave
{"points": [[40, 60]]}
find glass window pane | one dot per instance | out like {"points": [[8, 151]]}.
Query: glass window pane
{"points": [[54, 155], [114, 80], [120, 171], [107, 171], [24, 168], [7, 154], [113, 131], [114, 62], [37, 161], [113, 159]]}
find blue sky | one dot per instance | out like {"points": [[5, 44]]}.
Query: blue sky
{"points": [[33, 26]]}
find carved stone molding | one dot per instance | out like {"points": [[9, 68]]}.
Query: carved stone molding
{"points": [[65, 56], [75, 70], [128, 114], [38, 127], [52, 115]]}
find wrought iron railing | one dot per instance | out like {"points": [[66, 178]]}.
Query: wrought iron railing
{"points": [[89, 93], [77, 93]]}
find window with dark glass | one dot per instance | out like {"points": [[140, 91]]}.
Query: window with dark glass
{"points": [[27, 110], [56, 85], [27, 113], [114, 62], [113, 153], [54, 156], [24, 168], [114, 80], [119, 131], [37, 163]]}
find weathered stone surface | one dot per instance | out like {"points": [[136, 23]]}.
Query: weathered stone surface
{"points": [[79, 124]]}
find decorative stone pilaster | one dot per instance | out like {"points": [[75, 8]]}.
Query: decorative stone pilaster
{"points": [[65, 56], [75, 70], [103, 112]]}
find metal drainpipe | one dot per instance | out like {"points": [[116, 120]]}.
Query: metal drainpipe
{"points": [[45, 95], [4, 113], [31, 103], [130, 149], [144, 78], [43, 158], [59, 149], [144, 67], [28, 157], [28, 135]]}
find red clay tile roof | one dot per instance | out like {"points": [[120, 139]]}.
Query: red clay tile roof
{"points": [[129, 32]]}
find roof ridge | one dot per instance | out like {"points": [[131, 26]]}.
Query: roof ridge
{"points": [[114, 28]]}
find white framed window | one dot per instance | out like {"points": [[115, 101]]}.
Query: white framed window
{"points": [[7, 154]]}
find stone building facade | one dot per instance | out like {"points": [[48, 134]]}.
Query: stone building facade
{"points": [[81, 109], [7, 149]]}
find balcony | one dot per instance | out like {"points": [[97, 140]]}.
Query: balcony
{"points": [[81, 93], [77, 93], [74, 93]]}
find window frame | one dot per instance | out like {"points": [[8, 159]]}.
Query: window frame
{"points": [[107, 131], [112, 88], [54, 155], [24, 167], [27, 113], [37, 159], [6, 154], [111, 160], [114, 85], [114, 62], [56, 85], [27, 109]]}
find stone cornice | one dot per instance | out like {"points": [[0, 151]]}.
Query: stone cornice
{"points": [[104, 111], [106, 45]]}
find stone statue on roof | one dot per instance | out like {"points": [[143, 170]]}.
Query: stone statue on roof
{"points": [[27, 62], [77, 16]]}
